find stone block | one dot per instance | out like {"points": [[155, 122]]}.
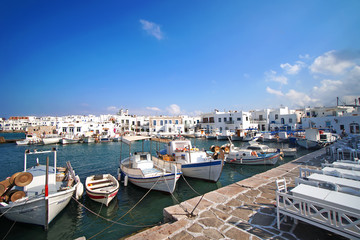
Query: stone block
{"points": [[231, 190]]}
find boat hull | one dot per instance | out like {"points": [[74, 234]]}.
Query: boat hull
{"points": [[165, 183], [47, 141], [104, 189], [102, 198], [308, 144], [262, 159], [69, 141], [32, 211], [210, 171]]}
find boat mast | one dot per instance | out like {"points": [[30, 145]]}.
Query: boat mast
{"points": [[47, 195]]}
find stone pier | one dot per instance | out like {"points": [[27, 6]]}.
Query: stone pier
{"points": [[242, 210]]}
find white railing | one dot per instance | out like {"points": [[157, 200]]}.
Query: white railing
{"points": [[333, 219]]}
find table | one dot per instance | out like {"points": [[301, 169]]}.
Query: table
{"points": [[330, 198], [354, 165], [352, 174], [342, 182]]}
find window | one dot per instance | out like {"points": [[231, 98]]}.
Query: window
{"points": [[247, 118], [328, 123], [354, 128], [205, 120], [239, 119], [225, 119], [276, 116], [154, 122], [290, 120], [78, 129], [170, 121], [230, 119], [64, 129], [341, 127], [219, 119], [211, 120], [71, 129], [165, 121], [161, 122], [176, 121], [282, 121], [260, 117]]}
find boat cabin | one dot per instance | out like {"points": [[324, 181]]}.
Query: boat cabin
{"points": [[142, 160], [178, 146]]}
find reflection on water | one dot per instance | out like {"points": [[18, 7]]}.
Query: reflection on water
{"points": [[89, 159]]}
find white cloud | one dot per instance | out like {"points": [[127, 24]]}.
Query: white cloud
{"points": [[275, 92], [292, 69], [173, 109], [342, 71], [273, 77], [305, 56], [152, 29], [300, 99], [331, 63], [112, 109], [156, 109]]}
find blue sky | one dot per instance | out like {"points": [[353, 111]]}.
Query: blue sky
{"points": [[176, 57]]}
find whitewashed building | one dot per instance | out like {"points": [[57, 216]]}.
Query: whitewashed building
{"points": [[222, 121]]}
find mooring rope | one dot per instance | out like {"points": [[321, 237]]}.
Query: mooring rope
{"points": [[9, 230], [115, 222]]}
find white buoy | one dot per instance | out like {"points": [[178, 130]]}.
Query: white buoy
{"points": [[125, 180]]}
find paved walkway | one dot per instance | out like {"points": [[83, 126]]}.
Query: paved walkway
{"points": [[243, 210]]}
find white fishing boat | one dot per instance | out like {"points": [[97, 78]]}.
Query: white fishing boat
{"points": [[289, 152], [249, 136], [224, 135], [102, 188], [147, 171], [252, 155], [51, 139], [29, 139], [43, 194], [315, 138], [194, 163], [69, 139], [268, 137], [89, 139], [211, 136]]}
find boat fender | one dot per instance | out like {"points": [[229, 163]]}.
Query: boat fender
{"points": [[79, 191], [175, 169], [126, 178]]}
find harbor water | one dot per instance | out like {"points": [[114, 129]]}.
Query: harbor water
{"points": [[130, 211]]}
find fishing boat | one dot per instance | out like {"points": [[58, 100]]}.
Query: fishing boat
{"points": [[224, 135], [69, 139], [254, 154], [102, 188], [315, 138], [194, 162], [41, 192], [289, 152], [147, 171], [51, 139], [89, 139], [29, 139]]}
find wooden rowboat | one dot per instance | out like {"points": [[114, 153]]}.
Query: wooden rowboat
{"points": [[102, 188]]}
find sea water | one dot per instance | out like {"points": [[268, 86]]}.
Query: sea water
{"points": [[130, 211]]}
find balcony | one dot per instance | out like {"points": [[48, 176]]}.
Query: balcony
{"points": [[229, 122]]}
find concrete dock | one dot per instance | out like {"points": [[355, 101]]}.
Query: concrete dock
{"points": [[242, 210]]}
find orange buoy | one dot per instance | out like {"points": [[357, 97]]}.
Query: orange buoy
{"points": [[23, 179]]}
